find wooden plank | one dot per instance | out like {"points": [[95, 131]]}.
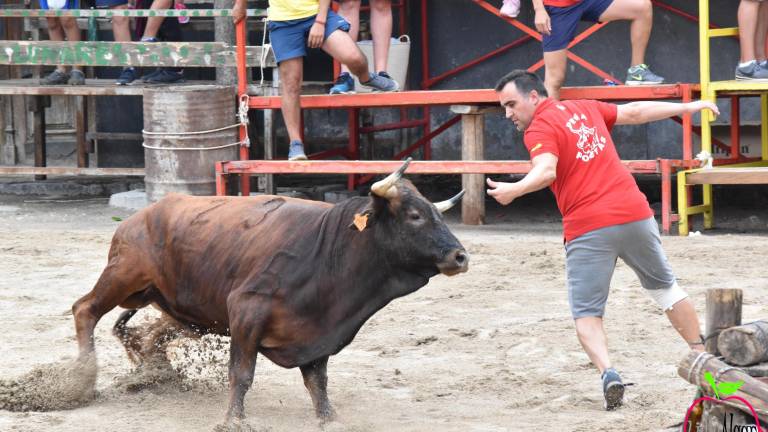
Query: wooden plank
{"points": [[466, 97], [476, 109], [724, 176], [140, 54], [723, 311], [746, 344], [71, 171], [109, 13], [472, 146], [386, 167], [92, 87]]}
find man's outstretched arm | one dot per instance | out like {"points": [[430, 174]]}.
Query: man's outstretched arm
{"points": [[648, 111], [541, 175]]}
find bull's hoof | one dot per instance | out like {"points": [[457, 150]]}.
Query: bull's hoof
{"points": [[239, 425], [326, 415]]}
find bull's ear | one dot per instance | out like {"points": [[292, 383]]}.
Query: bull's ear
{"points": [[363, 220]]}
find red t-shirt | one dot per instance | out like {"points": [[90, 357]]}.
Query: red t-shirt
{"points": [[593, 189], [560, 3]]}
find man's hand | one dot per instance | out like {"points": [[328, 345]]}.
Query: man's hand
{"points": [[239, 11], [694, 107], [543, 24], [316, 35], [503, 192]]}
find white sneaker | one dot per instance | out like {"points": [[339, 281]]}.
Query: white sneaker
{"points": [[510, 8]]}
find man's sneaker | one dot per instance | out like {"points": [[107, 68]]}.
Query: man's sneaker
{"points": [[381, 82], [510, 8], [76, 77], [642, 75], [127, 76], [753, 71], [613, 389], [164, 76], [56, 77], [296, 151], [344, 84]]}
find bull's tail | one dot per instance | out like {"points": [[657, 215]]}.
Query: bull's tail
{"points": [[119, 328]]}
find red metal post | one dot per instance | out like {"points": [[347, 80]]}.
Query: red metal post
{"points": [[242, 89], [735, 132], [687, 124], [666, 196], [221, 180]]}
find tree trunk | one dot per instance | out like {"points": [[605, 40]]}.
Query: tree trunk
{"points": [[745, 345]]}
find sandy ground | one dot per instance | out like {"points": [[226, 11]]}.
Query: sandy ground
{"points": [[491, 350]]}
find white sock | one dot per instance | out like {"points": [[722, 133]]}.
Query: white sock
{"points": [[747, 63]]}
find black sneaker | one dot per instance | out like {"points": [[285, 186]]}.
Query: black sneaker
{"points": [[76, 77], [164, 76], [613, 389], [56, 77], [127, 76], [753, 71]]}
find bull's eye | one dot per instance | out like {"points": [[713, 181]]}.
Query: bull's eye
{"points": [[414, 216]]}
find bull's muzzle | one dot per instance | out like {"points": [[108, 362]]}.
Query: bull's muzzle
{"points": [[457, 261]]}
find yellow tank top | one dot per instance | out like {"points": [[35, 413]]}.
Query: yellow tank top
{"points": [[284, 10]]}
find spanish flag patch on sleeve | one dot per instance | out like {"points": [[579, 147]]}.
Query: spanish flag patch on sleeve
{"points": [[536, 147]]}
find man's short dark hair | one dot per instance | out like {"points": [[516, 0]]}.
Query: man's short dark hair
{"points": [[524, 81]]}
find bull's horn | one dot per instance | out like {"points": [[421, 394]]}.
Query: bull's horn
{"points": [[444, 206], [385, 188]]}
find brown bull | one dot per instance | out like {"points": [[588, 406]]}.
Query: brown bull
{"points": [[291, 279]]}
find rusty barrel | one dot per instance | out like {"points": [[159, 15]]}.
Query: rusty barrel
{"points": [[181, 144]]}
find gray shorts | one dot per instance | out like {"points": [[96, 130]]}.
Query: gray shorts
{"points": [[591, 258]]}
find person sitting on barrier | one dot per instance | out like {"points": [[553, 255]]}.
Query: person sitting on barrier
{"points": [[753, 28], [605, 215], [155, 29], [58, 28], [558, 20], [381, 30], [122, 31], [294, 26]]}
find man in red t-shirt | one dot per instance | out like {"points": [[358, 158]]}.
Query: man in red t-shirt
{"points": [[557, 21], [605, 216]]}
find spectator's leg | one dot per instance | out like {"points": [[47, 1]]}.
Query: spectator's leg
{"points": [[381, 31], [154, 23], [554, 75], [71, 31], [640, 12], [350, 11], [121, 26], [761, 32], [341, 47], [747, 17], [291, 76], [56, 34]]}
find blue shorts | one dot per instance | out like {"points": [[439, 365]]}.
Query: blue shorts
{"points": [[109, 4], [69, 4], [565, 21], [289, 38]]}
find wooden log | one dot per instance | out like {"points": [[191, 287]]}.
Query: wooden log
{"points": [[695, 364], [472, 144], [141, 54], [723, 312], [745, 345]]}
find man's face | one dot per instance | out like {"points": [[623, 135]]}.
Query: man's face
{"points": [[519, 108]]}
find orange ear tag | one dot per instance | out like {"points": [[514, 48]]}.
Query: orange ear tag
{"points": [[361, 221]]}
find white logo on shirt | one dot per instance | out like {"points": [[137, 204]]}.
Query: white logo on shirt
{"points": [[590, 143]]}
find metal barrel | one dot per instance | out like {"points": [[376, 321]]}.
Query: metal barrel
{"points": [[172, 161]]}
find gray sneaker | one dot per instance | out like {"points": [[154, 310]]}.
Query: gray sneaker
{"points": [[76, 77], [613, 389], [381, 82], [754, 71], [642, 75], [56, 77], [296, 151]]}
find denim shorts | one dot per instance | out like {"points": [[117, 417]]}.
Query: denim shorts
{"points": [[591, 258], [289, 38], [69, 4], [565, 21]]}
